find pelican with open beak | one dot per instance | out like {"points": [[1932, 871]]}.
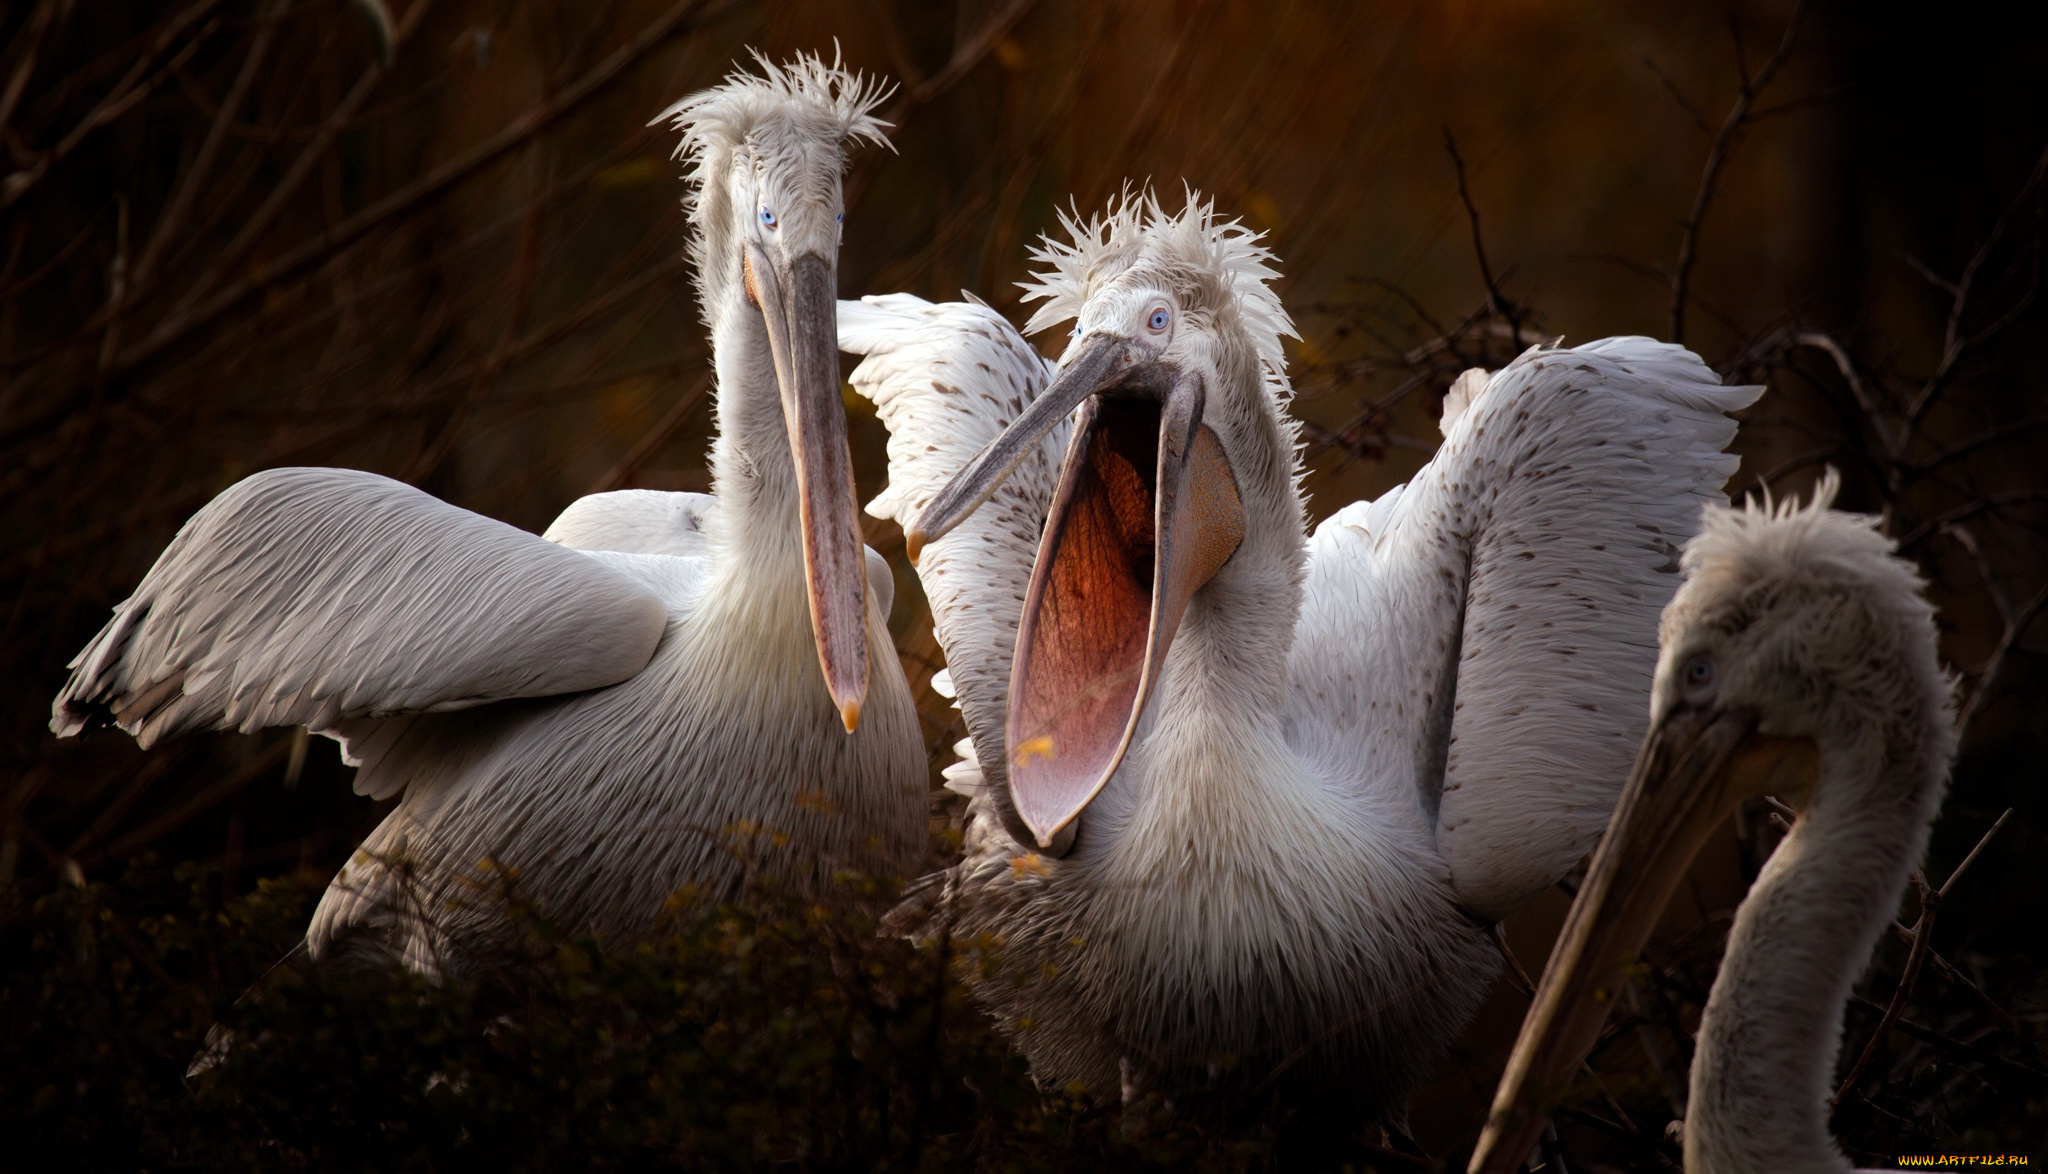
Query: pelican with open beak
{"points": [[1147, 509], [1218, 829], [1798, 659]]}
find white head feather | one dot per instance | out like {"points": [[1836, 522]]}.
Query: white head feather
{"points": [[1192, 245], [785, 128]]}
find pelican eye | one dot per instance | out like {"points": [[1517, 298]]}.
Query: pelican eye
{"points": [[768, 217], [1699, 673], [840, 219], [1158, 319]]}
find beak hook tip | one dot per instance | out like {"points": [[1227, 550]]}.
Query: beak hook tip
{"points": [[913, 544], [849, 713]]}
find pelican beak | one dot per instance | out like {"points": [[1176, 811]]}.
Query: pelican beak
{"points": [[1146, 512], [798, 301], [1694, 768]]}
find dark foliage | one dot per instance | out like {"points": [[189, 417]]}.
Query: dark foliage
{"points": [[783, 1033]]}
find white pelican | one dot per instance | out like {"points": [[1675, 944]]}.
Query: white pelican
{"points": [[1798, 656], [1266, 792], [596, 724]]}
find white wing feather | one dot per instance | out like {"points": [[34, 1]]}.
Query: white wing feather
{"points": [[322, 596], [1497, 616], [634, 521], [945, 380]]}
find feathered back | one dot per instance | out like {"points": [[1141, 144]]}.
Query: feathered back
{"points": [[1213, 264], [806, 106]]}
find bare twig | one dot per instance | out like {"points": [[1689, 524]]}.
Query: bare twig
{"points": [[1916, 956], [2015, 627], [132, 88], [1717, 156], [1495, 300], [1954, 342], [173, 217]]}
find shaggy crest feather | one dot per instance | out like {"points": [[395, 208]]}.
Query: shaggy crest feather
{"points": [[821, 106], [1135, 228], [1280, 878], [1785, 540]]}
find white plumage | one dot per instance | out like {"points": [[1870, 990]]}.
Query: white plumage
{"points": [[1363, 745], [1799, 657], [594, 722]]}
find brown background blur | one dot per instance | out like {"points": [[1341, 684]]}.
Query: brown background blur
{"points": [[232, 238]]}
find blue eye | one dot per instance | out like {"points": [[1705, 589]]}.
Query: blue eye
{"points": [[768, 218], [1159, 318], [841, 218]]}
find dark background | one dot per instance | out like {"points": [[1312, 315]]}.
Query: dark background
{"points": [[232, 236]]}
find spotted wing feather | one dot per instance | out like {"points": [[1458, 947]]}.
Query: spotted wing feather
{"points": [[1494, 621], [945, 380]]}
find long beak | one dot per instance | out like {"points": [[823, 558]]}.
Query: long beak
{"points": [[799, 305], [1693, 769], [1121, 555], [1102, 358]]}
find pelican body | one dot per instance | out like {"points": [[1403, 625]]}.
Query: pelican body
{"points": [[1247, 801], [586, 723], [1799, 658]]}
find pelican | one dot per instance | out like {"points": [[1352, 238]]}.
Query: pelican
{"points": [[586, 721], [1799, 656], [1247, 801]]}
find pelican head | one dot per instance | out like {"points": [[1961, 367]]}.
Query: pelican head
{"points": [[1797, 659], [766, 153], [1181, 455]]}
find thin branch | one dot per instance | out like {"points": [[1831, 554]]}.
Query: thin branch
{"points": [[1495, 300], [229, 259], [1930, 904], [1699, 118], [2015, 628], [1974, 853], [1916, 957], [1717, 155], [173, 216], [969, 53], [1953, 343], [132, 88], [31, 42], [399, 203], [1826, 344]]}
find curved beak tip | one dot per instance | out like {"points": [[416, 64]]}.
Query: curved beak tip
{"points": [[849, 713], [913, 545]]}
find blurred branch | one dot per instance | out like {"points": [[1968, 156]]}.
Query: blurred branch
{"points": [[1954, 341], [189, 181], [966, 56], [1923, 932], [1717, 156], [122, 97], [30, 42], [2016, 624], [1495, 300], [621, 474], [181, 814]]}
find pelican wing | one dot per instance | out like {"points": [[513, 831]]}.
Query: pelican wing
{"points": [[634, 521], [1497, 616], [325, 597], [945, 380]]}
